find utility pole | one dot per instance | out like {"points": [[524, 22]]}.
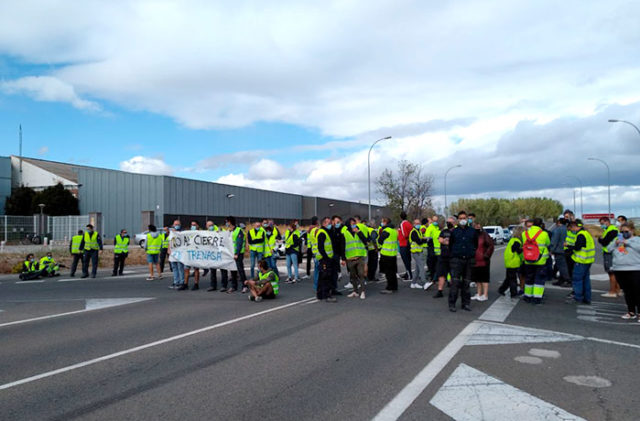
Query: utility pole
{"points": [[20, 153]]}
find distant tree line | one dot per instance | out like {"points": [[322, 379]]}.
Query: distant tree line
{"points": [[504, 212], [57, 200]]}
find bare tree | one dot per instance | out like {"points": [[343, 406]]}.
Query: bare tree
{"points": [[407, 189]]}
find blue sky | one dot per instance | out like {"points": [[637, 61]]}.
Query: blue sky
{"points": [[290, 97]]}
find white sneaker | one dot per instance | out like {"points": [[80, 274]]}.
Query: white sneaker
{"points": [[362, 296], [258, 298], [427, 285], [348, 286], [609, 295], [353, 295], [475, 297], [415, 286], [482, 298]]}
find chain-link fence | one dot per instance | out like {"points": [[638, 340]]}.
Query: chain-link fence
{"points": [[32, 229], [18, 228], [62, 228]]}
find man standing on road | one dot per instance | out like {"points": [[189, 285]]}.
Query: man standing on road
{"points": [[534, 269], [257, 241], [92, 247], [337, 241], [177, 267], [165, 248], [237, 237], [569, 242], [388, 245], [75, 248], [608, 243], [120, 252], [213, 276], [432, 234], [355, 251], [558, 238], [443, 265], [463, 243], [404, 231], [152, 247], [417, 245], [584, 253], [324, 256]]}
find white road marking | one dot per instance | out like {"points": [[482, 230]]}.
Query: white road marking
{"points": [[499, 334], [588, 381], [499, 310], [470, 395], [544, 353], [91, 305], [607, 341], [599, 277], [527, 359], [29, 282], [148, 345]]}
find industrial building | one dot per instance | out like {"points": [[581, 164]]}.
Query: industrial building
{"points": [[120, 199]]}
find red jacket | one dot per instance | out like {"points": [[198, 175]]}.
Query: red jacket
{"points": [[484, 250], [404, 232]]}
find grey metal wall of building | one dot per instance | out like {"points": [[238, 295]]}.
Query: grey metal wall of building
{"points": [[5, 181], [120, 197], [192, 197]]}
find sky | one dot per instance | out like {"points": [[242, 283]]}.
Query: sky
{"points": [[290, 95]]}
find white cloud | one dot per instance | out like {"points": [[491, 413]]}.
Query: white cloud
{"points": [[267, 169], [146, 165], [42, 151], [48, 89]]}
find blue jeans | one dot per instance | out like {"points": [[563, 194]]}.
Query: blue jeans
{"points": [[255, 257], [316, 273], [178, 273], [273, 264], [292, 259], [582, 282]]}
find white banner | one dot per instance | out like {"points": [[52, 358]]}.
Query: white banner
{"points": [[202, 249]]}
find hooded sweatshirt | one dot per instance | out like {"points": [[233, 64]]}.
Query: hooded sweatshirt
{"points": [[627, 256]]}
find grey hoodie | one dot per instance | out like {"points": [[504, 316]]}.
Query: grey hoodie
{"points": [[630, 258]]}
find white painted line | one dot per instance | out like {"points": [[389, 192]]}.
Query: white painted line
{"points": [[470, 395], [550, 286], [29, 282], [146, 346], [499, 334], [606, 341], [394, 409], [499, 310], [101, 303]]}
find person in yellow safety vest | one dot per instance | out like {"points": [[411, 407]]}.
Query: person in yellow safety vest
{"points": [[92, 246], [48, 265], [512, 262], [266, 285], [257, 239], [292, 247], [30, 269], [238, 240], [152, 246], [75, 248], [584, 254], [608, 242], [355, 252], [535, 272], [324, 255], [371, 260], [120, 252], [431, 234], [164, 250], [213, 277], [313, 246], [569, 241], [417, 245], [388, 246], [270, 249]]}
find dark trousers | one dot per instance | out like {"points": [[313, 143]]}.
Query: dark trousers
{"points": [[405, 254], [335, 272], [325, 279], [90, 255], [389, 267], [309, 260], [28, 276], [372, 264], [629, 281], [510, 282], [570, 263], [74, 263], [432, 261], [118, 263], [236, 275], [213, 276], [461, 276], [163, 259]]}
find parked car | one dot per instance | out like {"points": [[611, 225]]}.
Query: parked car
{"points": [[512, 227], [495, 232], [141, 239], [506, 234]]}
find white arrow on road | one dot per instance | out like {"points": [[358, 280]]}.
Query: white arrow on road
{"points": [[497, 334], [471, 395]]}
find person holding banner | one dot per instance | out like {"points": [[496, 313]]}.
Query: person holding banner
{"points": [[265, 285], [213, 273], [237, 237], [177, 267], [187, 269]]}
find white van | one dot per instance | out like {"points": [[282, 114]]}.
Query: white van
{"points": [[496, 234]]}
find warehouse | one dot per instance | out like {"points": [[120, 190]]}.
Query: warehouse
{"points": [[119, 199]]}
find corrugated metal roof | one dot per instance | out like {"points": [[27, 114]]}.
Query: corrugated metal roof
{"points": [[65, 171]]}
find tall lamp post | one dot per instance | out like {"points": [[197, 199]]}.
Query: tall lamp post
{"points": [[581, 185], [626, 122], [446, 209], [573, 189], [369, 170], [608, 180]]}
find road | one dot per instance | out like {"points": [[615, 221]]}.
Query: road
{"points": [[127, 348]]}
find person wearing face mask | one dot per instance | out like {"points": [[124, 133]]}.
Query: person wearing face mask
{"points": [[257, 239], [152, 246], [607, 241], [92, 247], [570, 240], [30, 269], [432, 233], [584, 253], [324, 255], [75, 248], [463, 243], [237, 238], [535, 271], [165, 248], [626, 266], [482, 266], [120, 252], [388, 245], [355, 252], [292, 246], [443, 265], [270, 252], [187, 269], [176, 267], [404, 230], [213, 272], [48, 265], [621, 219], [337, 240], [417, 244]]}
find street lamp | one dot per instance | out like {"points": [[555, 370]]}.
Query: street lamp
{"points": [[581, 185], [446, 209], [42, 205], [574, 196], [369, 170], [608, 180], [612, 120]]}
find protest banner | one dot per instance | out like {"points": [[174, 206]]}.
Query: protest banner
{"points": [[202, 249]]}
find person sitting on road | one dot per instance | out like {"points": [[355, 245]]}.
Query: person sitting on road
{"points": [[48, 266], [30, 269], [265, 285]]}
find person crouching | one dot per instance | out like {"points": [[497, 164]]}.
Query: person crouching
{"points": [[265, 285]]}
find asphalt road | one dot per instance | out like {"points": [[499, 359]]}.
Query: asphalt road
{"points": [[164, 354]]}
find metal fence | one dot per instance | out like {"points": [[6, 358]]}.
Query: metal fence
{"points": [[20, 229]]}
